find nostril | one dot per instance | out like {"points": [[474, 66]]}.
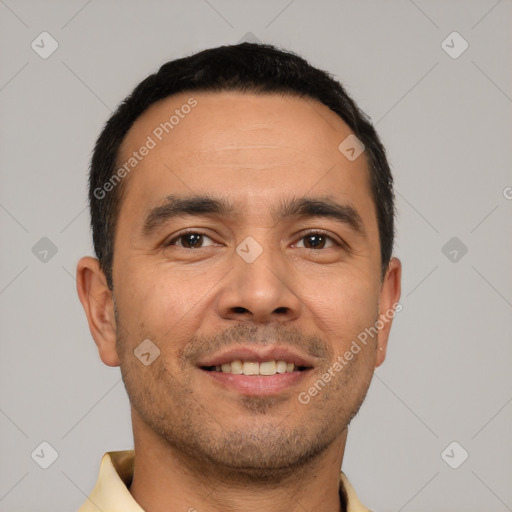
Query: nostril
{"points": [[239, 309]]}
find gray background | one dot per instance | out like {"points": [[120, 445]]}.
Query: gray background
{"points": [[446, 124]]}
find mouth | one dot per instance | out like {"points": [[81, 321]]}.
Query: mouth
{"points": [[255, 368], [251, 378], [257, 371]]}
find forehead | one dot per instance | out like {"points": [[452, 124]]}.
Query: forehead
{"points": [[234, 119], [240, 144]]}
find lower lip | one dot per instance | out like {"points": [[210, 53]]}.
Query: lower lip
{"points": [[262, 385]]}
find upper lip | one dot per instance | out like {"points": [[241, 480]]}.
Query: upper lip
{"points": [[256, 354]]}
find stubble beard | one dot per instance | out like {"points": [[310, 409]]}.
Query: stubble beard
{"points": [[264, 449], [268, 447]]}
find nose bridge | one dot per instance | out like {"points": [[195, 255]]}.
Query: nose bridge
{"points": [[258, 285], [262, 269]]}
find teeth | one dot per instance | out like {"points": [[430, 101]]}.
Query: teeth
{"points": [[281, 366], [268, 368], [252, 368], [235, 367]]}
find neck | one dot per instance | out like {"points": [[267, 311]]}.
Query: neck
{"points": [[165, 479]]}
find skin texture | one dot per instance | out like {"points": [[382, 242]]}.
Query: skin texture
{"points": [[199, 444]]}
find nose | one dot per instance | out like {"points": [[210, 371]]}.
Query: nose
{"points": [[260, 291]]}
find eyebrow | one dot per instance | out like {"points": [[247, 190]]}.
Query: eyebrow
{"points": [[201, 205]]}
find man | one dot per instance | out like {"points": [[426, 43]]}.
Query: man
{"points": [[242, 215]]}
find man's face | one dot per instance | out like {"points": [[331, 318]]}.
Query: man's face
{"points": [[218, 286]]}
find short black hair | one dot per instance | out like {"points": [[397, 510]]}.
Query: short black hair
{"points": [[246, 67]]}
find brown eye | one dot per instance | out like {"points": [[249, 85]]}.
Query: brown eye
{"points": [[191, 240], [317, 241]]}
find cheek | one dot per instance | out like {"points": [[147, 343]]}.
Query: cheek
{"points": [[343, 305], [156, 299]]}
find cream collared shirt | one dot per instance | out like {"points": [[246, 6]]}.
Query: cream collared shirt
{"points": [[111, 494]]}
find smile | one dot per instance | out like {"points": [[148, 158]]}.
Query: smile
{"points": [[265, 368]]}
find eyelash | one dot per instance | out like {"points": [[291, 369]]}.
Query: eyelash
{"points": [[198, 232]]}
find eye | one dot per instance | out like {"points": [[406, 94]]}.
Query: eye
{"points": [[196, 240], [318, 240], [189, 240]]}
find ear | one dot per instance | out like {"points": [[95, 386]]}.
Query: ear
{"points": [[388, 306], [98, 304]]}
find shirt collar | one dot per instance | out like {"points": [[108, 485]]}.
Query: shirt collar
{"points": [[111, 494]]}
